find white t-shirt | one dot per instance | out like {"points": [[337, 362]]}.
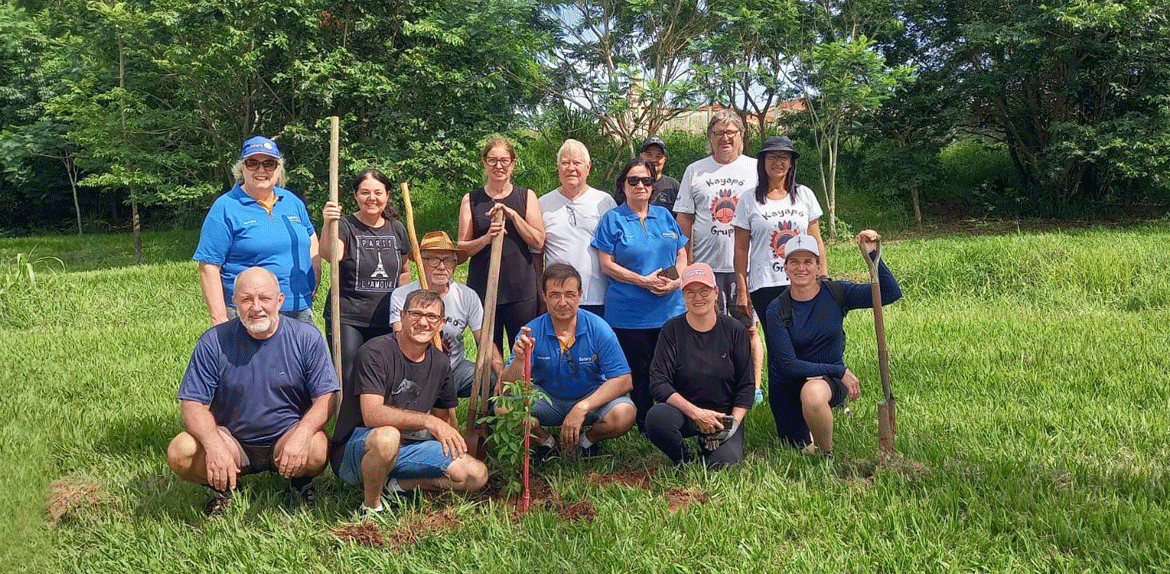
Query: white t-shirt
{"points": [[710, 190], [461, 306], [568, 230], [772, 224]]}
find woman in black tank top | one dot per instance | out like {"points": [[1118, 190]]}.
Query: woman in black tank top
{"points": [[523, 229]]}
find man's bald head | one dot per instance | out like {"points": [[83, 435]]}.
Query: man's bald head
{"points": [[258, 299]]}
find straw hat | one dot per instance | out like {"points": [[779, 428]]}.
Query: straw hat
{"points": [[439, 241]]}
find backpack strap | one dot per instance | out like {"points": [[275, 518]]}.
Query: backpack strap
{"points": [[784, 300]]}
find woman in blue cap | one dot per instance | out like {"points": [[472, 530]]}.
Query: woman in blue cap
{"points": [[258, 223]]}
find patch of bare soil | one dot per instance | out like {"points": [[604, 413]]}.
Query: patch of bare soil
{"points": [[68, 495], [364, 533], [415, 529], [679, 498], [639, 478], [580, 511]]}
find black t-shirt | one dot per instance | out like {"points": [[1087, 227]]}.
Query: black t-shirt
{"points": [[382, 369], [665, 192], [517, 276], [712, 370], [369, 271]]}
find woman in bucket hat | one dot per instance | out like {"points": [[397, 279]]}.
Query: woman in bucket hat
{"points": [[780, 210]]}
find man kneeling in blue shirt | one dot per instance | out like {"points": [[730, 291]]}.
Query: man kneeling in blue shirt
{"points": [[578, 363], [256, 394]]}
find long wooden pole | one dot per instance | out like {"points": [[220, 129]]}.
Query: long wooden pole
{"points": [[334, 256], [886, 408], [476, 435], [416, 255]]}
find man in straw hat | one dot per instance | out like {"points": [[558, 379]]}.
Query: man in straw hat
{"points": [[462, 307]]}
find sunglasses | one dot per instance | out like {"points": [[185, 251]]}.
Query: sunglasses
{"points": [[268, 164], [646, 181]]}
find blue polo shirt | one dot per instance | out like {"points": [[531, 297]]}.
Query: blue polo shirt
{"points": [[640, 247], [239, 233], [595, 353]]}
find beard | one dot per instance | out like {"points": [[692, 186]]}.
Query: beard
{"points": [[257, 325]]}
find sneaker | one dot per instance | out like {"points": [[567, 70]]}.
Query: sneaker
{"points": [[219, 503], [366, 514], [593, 451], [545, 453], [304, 492], [395, 499]]}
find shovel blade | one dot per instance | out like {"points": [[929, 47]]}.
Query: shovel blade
{"points": [[476, 441], [887, 426]]}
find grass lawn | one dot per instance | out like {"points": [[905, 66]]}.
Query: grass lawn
{"points": [[1030, 371]]}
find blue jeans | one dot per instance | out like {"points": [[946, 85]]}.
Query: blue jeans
{"points": [[551, 411], [423, 459]]}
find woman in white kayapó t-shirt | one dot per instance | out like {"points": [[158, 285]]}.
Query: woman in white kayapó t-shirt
{"points": [[764, 221]]}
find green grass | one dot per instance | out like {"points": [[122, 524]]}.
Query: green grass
{"points": [[1029, 369]]}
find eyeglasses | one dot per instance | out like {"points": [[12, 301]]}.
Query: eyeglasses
{"points": [[691, 293], [268, 164], [633, 181], [729, 133], [773, 156], [418, 316], [572, 215], [449, 261], [499, 161]]}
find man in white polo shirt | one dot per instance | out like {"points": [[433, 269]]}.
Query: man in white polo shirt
{"points": [[571, 213]]}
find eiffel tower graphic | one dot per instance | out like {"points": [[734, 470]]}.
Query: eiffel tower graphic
{"points": [[380, 271]]}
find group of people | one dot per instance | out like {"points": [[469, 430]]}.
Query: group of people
{"points": [[636, 308]]}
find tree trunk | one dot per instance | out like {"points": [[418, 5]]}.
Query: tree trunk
{"points": [[914, 202]]}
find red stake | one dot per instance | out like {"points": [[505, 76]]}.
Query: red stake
{"points": [[526, 498]]}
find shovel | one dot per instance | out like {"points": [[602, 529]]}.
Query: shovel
{"points": [[477, 406], [886, 411]]}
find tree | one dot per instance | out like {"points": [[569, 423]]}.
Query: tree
{"points": [[843, 79], [1078, 91], [625, 62], [742, 59]]}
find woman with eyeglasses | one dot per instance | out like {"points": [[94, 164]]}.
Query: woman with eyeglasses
{"points": [[258, 223], [372, 247], [523, 230], [702, 377], [779, 210], [640, 248]]}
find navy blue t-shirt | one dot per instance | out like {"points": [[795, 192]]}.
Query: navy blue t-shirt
{"points": [[257, 388], [814, 345]]}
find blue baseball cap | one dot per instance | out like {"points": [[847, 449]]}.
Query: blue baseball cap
{"points": [[259, 144]]}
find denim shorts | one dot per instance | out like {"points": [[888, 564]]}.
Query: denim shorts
{"points": [[422, 459], [551, 411]]}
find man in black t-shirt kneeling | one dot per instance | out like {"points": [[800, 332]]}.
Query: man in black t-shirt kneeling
{"points": [[396, 431]]}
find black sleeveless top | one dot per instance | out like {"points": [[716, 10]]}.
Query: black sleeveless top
{"points": [[517, 276]]}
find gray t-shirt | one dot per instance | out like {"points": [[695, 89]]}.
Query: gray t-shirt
{"points": [[461, 306]]}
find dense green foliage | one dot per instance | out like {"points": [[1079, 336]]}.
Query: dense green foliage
{"points": [[144, 104], [1029, 371]]}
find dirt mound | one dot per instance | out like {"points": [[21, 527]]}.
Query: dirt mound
{"points": [[580, 511], [365, 534], [679, 498], [420, 526], [68, 495]]}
